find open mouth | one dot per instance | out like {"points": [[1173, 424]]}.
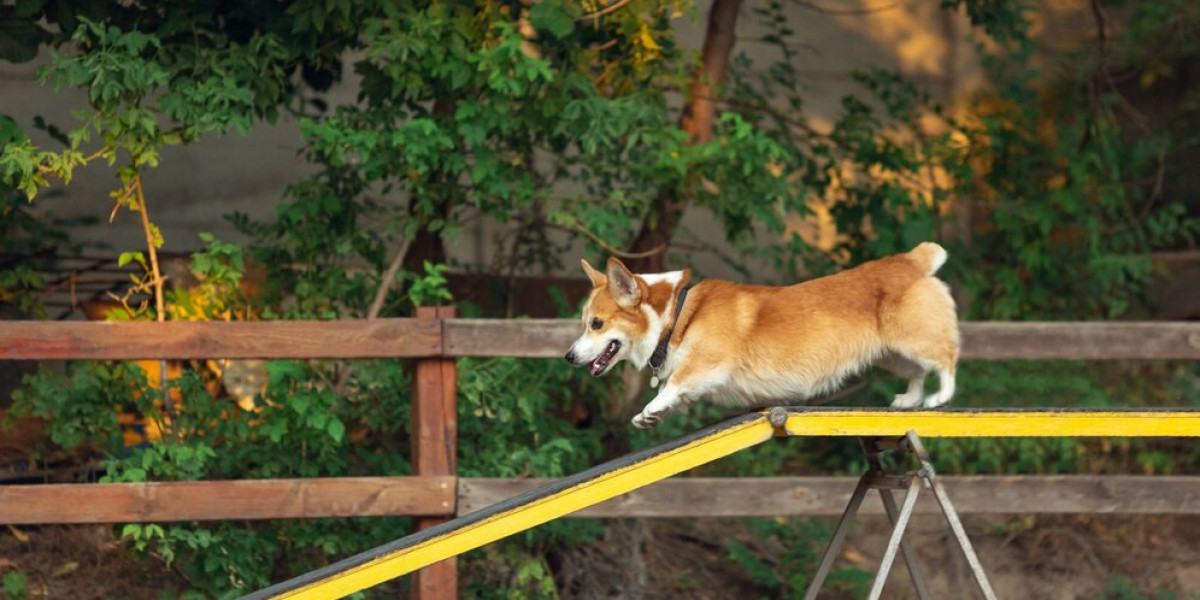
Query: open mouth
{"points": [[601, 363]]}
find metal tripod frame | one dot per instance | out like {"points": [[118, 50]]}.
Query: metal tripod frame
{"points": [[913, 481]]}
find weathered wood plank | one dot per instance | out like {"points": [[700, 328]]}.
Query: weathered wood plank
{"points": [[1111, 340], [679, 497], [520, 338], [222, 500], [380, 338], [535, 338], [549, 338], [827, 496], [435, 450]]}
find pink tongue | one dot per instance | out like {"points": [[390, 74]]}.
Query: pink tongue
{"points": [[602, 361]]}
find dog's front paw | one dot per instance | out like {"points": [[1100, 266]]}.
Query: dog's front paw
{"points": [[646, 421]]}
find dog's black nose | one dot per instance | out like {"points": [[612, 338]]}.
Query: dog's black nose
{"points": [[571, 356]]}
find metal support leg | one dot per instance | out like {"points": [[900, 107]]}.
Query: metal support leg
{"points": [[889, 555], [873, 448], [960, 533], [906, 551], [839, 537], [877, 479]]}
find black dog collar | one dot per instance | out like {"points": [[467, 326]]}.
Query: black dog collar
{"points": [[659, 358]]}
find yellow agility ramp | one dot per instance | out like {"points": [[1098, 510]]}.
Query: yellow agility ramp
{"points": [[525, 511], [645, 467]]}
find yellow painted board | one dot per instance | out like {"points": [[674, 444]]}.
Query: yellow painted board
{"points": [[723, 440], [646, 467], [1001, 423]]}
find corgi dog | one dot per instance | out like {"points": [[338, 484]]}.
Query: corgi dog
{"points": [[758, 345]]}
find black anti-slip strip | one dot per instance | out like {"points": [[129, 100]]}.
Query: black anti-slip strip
{"points": [[497, 509]]}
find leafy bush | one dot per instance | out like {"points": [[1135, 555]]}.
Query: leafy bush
{"points": [[796, 547]]}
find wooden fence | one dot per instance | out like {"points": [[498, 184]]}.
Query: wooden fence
{"points": [[435, 338], [438, 337]]}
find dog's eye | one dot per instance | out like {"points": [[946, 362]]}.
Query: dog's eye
{"points": [[597, 323]]}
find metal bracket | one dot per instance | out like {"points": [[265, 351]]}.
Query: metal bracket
{"points": [[876, 478]]}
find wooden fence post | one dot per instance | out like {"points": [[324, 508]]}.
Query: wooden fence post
{"points": [[435, 451]]}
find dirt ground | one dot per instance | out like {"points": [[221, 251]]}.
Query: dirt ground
{"points": [[80, 562], [1048, 558], [1027, 558]]}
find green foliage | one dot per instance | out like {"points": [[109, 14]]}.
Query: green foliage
{"points": [[15, 585], [20, 280], [218, 293], [511, 571], [297, 430], [1062, 191], [468, 94], [1050, 175], [79, 408], [514, 410], [795, 551], [1121, 588]]}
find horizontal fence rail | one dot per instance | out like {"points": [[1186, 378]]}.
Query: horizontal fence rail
{"points": [[681, 497], [827, 496], [1089, 340], [225, 500], [132, 340], [521, 338]]}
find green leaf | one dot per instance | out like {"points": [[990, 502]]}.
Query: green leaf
{"points": [[127, 257], [300, 404], [15, 586], [336, 429], [10, 132], [551, 16]]}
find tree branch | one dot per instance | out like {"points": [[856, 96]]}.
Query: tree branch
{"points": [[609, 247], [157, 284], [867, 10], [697, 121], [385, 284], [604, 11]]}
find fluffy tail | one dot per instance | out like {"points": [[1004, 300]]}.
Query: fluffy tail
{"points": [[929, 257]]}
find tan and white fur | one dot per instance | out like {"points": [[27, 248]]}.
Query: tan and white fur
{"points": [[758, 345]]}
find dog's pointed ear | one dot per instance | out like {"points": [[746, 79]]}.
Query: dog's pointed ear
{"points": [[596, 276], [622, 284], [686, 279]]}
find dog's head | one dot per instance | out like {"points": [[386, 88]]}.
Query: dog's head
{"points": [[623, 316]]}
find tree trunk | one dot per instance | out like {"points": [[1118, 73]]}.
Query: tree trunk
{"points": [[429, 245], [659, 224]]}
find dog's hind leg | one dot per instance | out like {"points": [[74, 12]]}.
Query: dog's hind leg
{"points": [[943, 395], [912, 397], [910, 369], [923, 328]]}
